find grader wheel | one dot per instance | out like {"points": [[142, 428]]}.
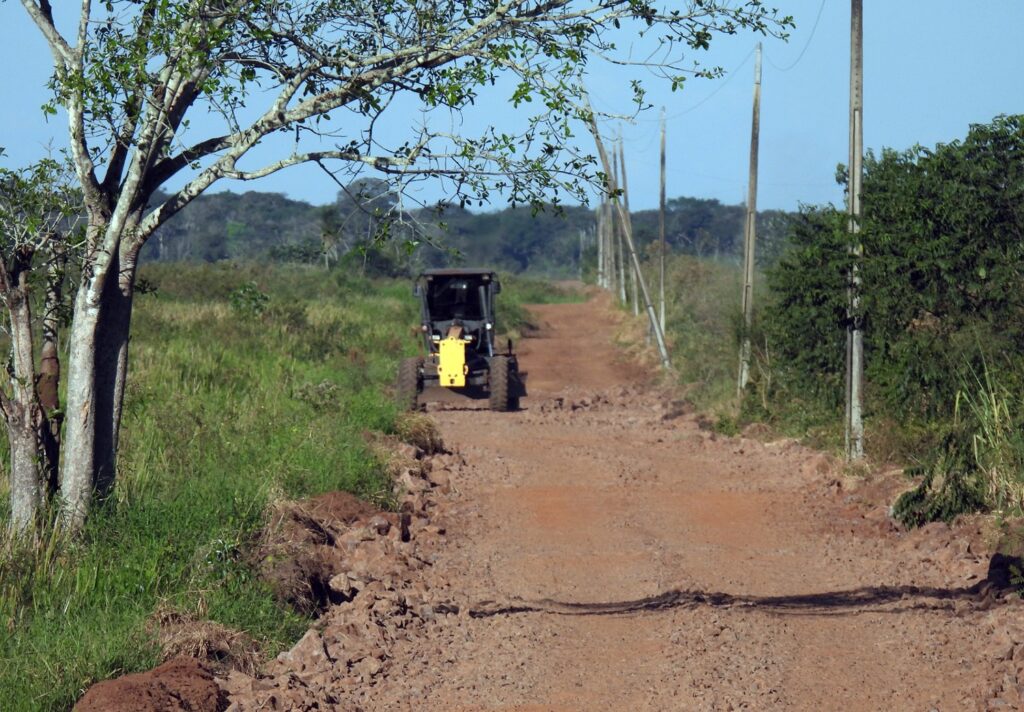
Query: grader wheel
{"points": [[409, 383], [503, 395]]}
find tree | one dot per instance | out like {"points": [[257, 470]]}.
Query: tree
{"points": [[141, 80], [39, 209]]}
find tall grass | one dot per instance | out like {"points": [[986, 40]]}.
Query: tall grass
{"points": [[997, 445], [979, 463], [702, 299], [226, 410]]}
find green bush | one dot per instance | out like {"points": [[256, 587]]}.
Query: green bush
{"points": [[941, 273], [940, 277]]}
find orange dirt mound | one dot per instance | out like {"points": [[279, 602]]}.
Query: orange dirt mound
{"points": [[182, 684]]}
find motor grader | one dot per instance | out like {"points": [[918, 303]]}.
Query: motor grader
{"points": [[461, 355]]}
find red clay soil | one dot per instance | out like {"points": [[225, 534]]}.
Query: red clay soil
{"points": [[179, 685], [601, 550]]}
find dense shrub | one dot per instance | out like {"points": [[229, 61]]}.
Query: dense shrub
{"points": [[942, 272]]}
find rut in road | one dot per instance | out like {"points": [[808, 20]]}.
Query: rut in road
{"points": [[602, 551]]}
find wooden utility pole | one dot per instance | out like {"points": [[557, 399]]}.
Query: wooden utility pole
{"points": [[750, 234], [629, 219], [661, 230], [659, 335], [854, 333]]}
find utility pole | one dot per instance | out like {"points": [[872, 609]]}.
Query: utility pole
{"points": [[750, 235], [613, 232], [599, 215], [579, 261], [609, 246], [659, 335], [620, 226], [661, 229], [609, 249], [854, 333], [629, 219]]}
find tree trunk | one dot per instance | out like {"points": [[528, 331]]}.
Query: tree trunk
{"points": [[26, 490], [112, 357], [97, 369], [22, 409], [78, 465]]}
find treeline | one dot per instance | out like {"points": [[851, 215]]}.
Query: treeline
{"points": [[366, 228], [942, 310]]}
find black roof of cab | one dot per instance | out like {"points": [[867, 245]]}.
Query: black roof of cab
{"points": [[458, 272]]}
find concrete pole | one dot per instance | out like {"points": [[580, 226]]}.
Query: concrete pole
{"points": [[661, 230], [625, 201], [619, 228], [609, 255], [750, 234], [612, 188], [579, 260], [854, 329]]}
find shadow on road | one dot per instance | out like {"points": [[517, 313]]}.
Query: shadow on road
{"points": [[851, 602]]}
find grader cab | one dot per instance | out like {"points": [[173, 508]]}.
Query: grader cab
{"points": [[460, 353]]}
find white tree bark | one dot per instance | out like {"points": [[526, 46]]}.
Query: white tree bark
{"points": [[78, 461], [96, 375], [26, 484], [21, 410]]}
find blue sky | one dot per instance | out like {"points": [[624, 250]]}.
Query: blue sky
{"points": [[932, 67]]}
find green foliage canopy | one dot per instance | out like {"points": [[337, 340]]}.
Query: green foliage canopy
{"points": [[942, 272]]}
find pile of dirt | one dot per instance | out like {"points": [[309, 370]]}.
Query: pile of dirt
{"points": [[334, 508], [333, 553], [296, 554], [378, 597], [179, 685]]}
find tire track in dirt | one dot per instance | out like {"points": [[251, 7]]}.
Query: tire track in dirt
{"points": [[603, 552]]}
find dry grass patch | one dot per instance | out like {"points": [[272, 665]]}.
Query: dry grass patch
{"points": [[420, 431], [181, 634]]}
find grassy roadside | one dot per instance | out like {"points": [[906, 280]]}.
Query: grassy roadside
{"points": [[702, 331], [234, 401], [248, 384]]}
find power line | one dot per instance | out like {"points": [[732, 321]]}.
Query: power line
{"points": [[807, 44], [728, 78], [720, 87]]}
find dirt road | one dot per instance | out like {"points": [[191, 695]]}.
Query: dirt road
{"points": [[601, 551]]}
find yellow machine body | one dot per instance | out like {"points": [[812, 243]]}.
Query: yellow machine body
{"points": [[451, 366]]}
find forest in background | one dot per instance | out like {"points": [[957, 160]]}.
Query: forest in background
{"points": [[257, 226]]}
